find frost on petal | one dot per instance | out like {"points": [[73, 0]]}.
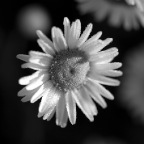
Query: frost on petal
{"points": [[95, 95], [37, 82], [104, 43], [74, 34], [104, 80], [37, 54], [78, 29], [91, 40], [45, 47], [97, 71], [66, 24], [100, 72], [71, 107], [101, 90], [45, 39], [58, 39], [104, 56], [85, 104], [49, 101], [96, 46], [39, 58], [48, 116], [34, 66], [105, 66], [89, 48], [84, 35], [40, 92]]}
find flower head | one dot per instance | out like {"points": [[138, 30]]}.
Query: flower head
{"points": [[69, 72], [126, 13]]}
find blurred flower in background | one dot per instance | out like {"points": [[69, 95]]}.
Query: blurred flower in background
{"points": [[138, 3], [95, 139], [31, 18], [131, 91], [129, 13]]}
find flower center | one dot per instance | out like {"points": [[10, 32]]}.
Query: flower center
{"points": [[68, 69]]}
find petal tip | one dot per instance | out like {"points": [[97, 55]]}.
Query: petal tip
{"points": [[38, 32], [18, 56], [63, 125], [39, 115], [66, 20]]}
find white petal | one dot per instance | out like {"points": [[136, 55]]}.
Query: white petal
{"points": [[45, 47], [104, 80], [112, 73], [37, 82], [65, 119], [24, 92], [49, 100], [91, 106], [60, 108], [58, 39], [23, 57], [83, 104], [39, 93], [85, 35], [66, 24], [46, 40], [28, 94], [105, 66], [89, 48], [37, 54], [91, 40], [26, 98], [74, 34], [95, 95], [41, 62], [103, 44], [104, 56], [39, 58], [34, 66], [101, 90], [48, 111], [71, 107], [78, 29], [27, 79], [48, 115]]}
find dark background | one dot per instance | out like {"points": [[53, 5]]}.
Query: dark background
{"points": [[19, 120]]}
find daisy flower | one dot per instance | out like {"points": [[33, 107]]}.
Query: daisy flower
{"points": [[128, 13], [69, 72]]}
